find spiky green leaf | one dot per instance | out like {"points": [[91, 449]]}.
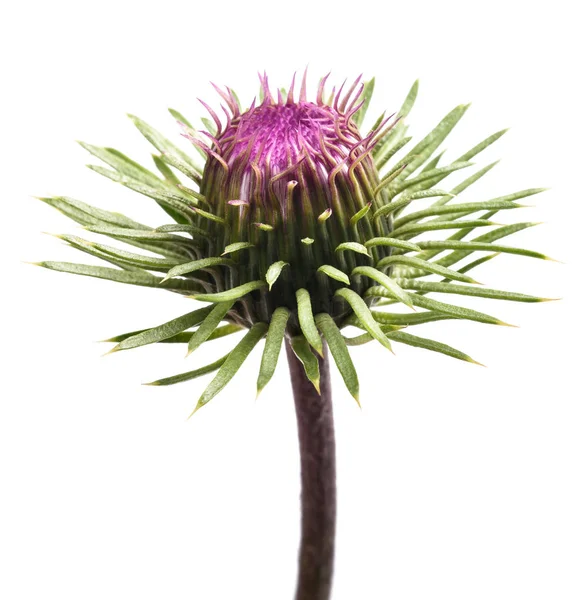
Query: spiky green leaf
{"points": [[334, 273], [299, 344], [190, 374], [387, 282], [340, 353], [419, 342], [272, 348], [167, 330], [233, 294], [354, 247], [196, 265], [209, 325], [306, 319], [233, 363], [418, 263], [364, 315]]}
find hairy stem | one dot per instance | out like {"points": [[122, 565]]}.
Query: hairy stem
{"points": [[318, 470]]}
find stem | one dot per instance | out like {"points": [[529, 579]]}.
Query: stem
{"points": [[318, 470]]}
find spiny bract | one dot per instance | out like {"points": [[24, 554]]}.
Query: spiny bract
{"points": [[294, 224]]}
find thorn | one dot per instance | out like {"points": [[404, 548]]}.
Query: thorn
{"points": [[166, 278], [357, 400], [316, 385], [553, 260], [112, 351], [504, 324], [153, 383], [548, 299], [36, 264], [474, 362]]}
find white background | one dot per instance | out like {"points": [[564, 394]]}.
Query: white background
{"points": [[455, 481]]}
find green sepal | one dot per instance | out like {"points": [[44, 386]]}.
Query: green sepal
{"points": [[167, 330], [340, 353], [420, 342], [130, 277], [190, 374], [272, 349], [393, 243], [334, 273], [196, 265], [465, 290], [354, 247], [233, 294], [364, 315], [306, 319], [209, 325], [302, 350], [418, 263], [387, 282], [274, 271], [232, 364]]}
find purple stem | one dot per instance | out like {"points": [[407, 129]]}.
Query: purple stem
{"points": [[318, 470]]}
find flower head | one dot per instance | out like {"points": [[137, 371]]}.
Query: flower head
{"points": [[300, 226]]}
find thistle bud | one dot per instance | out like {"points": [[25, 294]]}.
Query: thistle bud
{"points": [[298, 225], [291, 182]]}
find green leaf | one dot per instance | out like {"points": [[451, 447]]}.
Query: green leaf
{"points": [[334, 273], [489, 237], [455, 311], [273, 343], [233, 294], [209, 325], [180, 227], [464, 208], [302, 350], [480, 246], [419, 342], [130, 277], [425, 148], [184, 337], [124, 165], [233, 363], [274, 271], [86, 214], [417, 183], [306, 319], [381, 161], [167, 173], [195, 265], [465, 290], [481, 146], [360, 214], [187, 169], [387, 282], [237, 246], [418, 263], [190, 374], [366, 95], [393, 242], [364, 315], [179, 117], [340, 353], [138, 260], [162, 143], [354, 247], [167, 330], [139, 234], [417, 228], [408, 319], [405, 200], [408, 103], [210, 216]]}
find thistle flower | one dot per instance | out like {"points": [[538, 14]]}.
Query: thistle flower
{"points": [[294, 225]]}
